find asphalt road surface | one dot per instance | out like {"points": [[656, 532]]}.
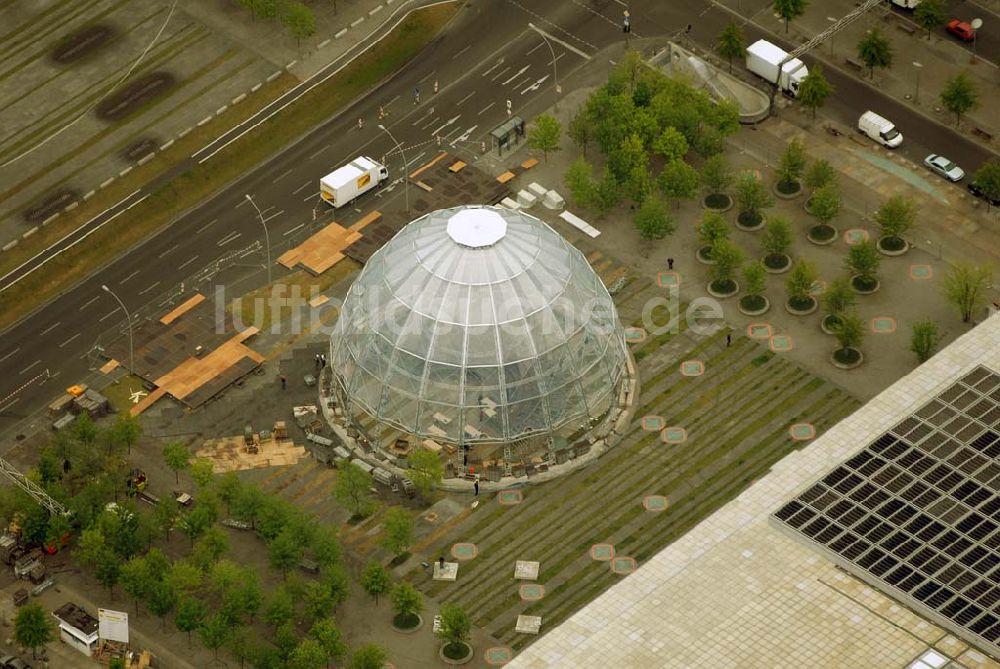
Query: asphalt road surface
{"points": [[490, 55]]}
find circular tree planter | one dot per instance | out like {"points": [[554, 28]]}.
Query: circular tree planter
{"points": [[828, 323], [863, 287], [717, 202], [892, 246], [801, 307], [723, 289], [847, 358], [777, 263], [749, 221], [407, 624], [822, 234], [787, 190], [702, 255], [807, 205], [450, 655], [753, 305]]}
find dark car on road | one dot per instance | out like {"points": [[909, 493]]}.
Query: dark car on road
{"points": [[976, 190]]}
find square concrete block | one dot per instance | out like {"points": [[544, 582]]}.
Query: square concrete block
{"points": [[526, 570], [526, 199], [528, 624], [448, 573], [537, 189], [553, 200], [509, 203]]}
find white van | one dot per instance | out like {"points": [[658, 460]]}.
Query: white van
{"points": [[906, 4], [880, 129]]}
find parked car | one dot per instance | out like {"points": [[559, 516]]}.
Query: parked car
{"points": [[962, 30], [944, 167], [978, 192]]}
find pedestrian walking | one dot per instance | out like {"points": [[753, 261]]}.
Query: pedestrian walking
{"points": [[322, 360], [416, 96], [284, 382], [670, 263], [317, 361], [729, 339], [435, 86], [475, 486], [361, 123], [381, 113]]}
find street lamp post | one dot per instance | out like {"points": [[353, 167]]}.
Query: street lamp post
{"points": [[406, 182], [131, 350], [555, 71], [267, 237], [916, 91]]}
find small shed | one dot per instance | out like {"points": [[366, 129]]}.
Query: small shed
{"points": [[77, 628], [507, 133]]}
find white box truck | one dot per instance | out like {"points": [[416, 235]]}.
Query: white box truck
{"points": [[763, 59], [880, 129], [346, 183]]}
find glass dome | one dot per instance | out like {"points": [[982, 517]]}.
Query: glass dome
{"points": [[478, 324]]}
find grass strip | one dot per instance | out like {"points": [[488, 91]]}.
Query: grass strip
{"points": [[201, 181]]}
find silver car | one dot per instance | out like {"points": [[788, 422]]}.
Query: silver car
{"points": [[944, 167]]}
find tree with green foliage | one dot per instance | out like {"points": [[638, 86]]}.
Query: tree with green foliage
{"points": [[241, 642], [329, 638], [407, 602], [84, 429], [819, 174], [730, 43], [213, 632], [375, 580], [653, 220], [863, 260], [353, 489], [191, 612], [326, 549], [267, 9], [317, 600], [631, 153], [397, 531], [136, 580], [789, 9], [678, 181], [815, 89], [754, 278], [201, 473], [125, 431], [825, 203], [959, 96], [791, 166], [925, 339], [579, 180], [337, 581], [309, 654], [299, 20], [711, 228], [930, 14], [799, 284], [895, 217], [248, 505], [608, 193], [545, 135], [727, 258], [280, 608], [671, 144], [455, 629], [987, 179], [177, 457], [850, 333], [284, 552], [837, 299], [875, 51], [160, 599], [209, 547], [639, 184], [581, 129], [717, 175], [751, 198], [95, 552], [186, 578], [194, 523], [33, 627], [369, 656], [228, 487], [966, 286]]}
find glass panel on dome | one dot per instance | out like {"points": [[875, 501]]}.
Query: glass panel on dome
{"points": [[448, 344], [565, 403], [482, 387], [374, 357], [521, 381], [546, 332], [440, 421], [525, 418], [443, 383], [455, 304], [406, 373], [507, 303], [480, 305], [415, 334], [515, 342], [481, 346]]}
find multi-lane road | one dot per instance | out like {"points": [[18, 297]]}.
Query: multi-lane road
{"points": [[497, 50]]}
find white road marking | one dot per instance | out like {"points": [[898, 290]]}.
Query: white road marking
{"points": [[430, 123], [202, 228], [465, 98], [534, 86], [428, 76], [36, 362], [151, 287], [242, 202], [521, 82], [464, 136], [558, 41], [274, 215], [536, 48], [6, 407], [515, 76], [499, 74], [109, 314], [89, 302], [128, 277], [281, 176], [299, 189], [310, 197], [467, 47], [187, 262], [494, 66], [319, 152], [445, 124], [483, 110], [170, 250], [228, 238], [288, 232], [10, 354], [49, 329], [69, 340], [423, 118]]}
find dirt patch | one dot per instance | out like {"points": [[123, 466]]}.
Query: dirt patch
{"points": [[140, 91], [140, 149], [81, 43], [51, 204]]}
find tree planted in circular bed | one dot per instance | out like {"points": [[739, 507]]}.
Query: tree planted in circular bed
{"points": [[824, 205], [895, 218], [717, 176], [791, 167], [754, 282], [819, 174], [407, 603], [837, 299], [454, 631], [863, 261], [850, 332], [776, 240], [711, 228], [800, 284], [728, 257], [751, 198]]}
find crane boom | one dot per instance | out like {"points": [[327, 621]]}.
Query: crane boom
{"points": [[33, 489]]}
